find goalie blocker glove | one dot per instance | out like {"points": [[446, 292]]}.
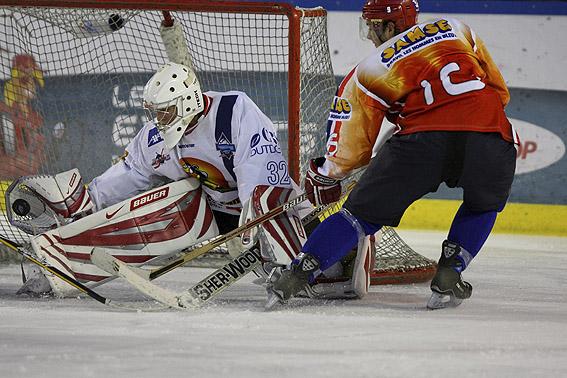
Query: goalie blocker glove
{"points": [[321, 189]]}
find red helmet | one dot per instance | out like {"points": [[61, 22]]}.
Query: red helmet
{"points": [[402, 12]]}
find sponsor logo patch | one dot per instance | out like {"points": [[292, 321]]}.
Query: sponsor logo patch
{"points": [[265, 142], [416, 39], [225, 148], [146, 199], [110, 215], [154, 137], [340, 110], [160, 159]]}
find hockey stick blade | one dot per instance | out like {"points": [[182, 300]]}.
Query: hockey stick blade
{"points": [[196, 296], [222, 278]]}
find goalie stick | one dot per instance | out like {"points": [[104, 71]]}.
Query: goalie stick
{"points": [[213, 284], [180, 258], [195, 296], [19, 249]]}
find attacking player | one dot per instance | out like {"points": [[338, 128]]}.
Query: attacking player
{"points": [[221, 157], [438, 84]]}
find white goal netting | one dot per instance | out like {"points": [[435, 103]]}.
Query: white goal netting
{"points": [[71, 81]]}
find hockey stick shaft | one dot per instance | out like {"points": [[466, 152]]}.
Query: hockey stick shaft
{"points": [[16, 247], [221, 239], [19, 249]]}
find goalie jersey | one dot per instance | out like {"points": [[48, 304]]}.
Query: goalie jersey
{"points": [[233, 148], [436, 76]]}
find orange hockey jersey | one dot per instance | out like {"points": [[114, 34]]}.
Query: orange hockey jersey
{"points": [[435, 76]]}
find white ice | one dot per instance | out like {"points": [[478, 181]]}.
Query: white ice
{"points": [[515, 325]]}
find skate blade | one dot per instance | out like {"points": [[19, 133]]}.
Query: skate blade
{"points": [[438, 301], [273, 301], [259, 281]]}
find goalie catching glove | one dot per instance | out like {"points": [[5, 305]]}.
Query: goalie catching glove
{"points": [[41, 202], [321, 189]]}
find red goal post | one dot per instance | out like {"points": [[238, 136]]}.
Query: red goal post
{"points": [[86, 62]]}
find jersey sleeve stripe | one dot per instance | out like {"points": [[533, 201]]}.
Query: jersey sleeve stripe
{"points": [[341, 88], [223, 129], [473, 34]]}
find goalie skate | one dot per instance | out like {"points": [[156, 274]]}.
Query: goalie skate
{"points": [[286, 283], [275, 298], [36, 284]]}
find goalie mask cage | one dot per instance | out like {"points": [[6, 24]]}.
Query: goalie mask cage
{"points": [[73, 72]]}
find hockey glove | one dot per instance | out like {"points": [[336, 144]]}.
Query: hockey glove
{"points": [[321, 189]]}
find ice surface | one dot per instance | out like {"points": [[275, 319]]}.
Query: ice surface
{"points": [[515, 325]]}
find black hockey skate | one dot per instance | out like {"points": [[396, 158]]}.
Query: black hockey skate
{"points": [[284, 284], [448, 288]]}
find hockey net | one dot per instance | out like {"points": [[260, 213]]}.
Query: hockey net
{"points": [[72, 75]]}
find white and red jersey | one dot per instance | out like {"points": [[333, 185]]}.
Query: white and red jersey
{"points": [[435, 76], [233, 148]]}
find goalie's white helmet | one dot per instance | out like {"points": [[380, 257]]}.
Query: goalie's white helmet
{"points": [[172, 98]]}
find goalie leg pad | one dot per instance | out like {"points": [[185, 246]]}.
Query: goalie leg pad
{"points": [[363, 267], [164, 220], [282, 237]]}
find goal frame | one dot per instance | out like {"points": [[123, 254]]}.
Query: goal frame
{"points": [[394, 269], [284, 9]]}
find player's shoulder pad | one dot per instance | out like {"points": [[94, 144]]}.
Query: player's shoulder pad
{"points": [[370, 68]]}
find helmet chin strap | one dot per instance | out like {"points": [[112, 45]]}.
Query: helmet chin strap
{"points": [[193, 123]]}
